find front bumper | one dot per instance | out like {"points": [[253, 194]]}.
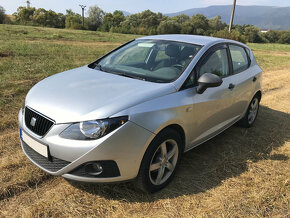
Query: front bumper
{"points": [[125, 146]]}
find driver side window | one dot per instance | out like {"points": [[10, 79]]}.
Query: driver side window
{"points": [[216, 63]]}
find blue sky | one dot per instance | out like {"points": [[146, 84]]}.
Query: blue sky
{"points": [[133, 6]]}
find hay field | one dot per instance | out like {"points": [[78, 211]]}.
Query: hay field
{"points": [[240, 173]]}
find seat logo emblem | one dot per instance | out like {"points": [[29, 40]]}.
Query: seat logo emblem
{"points": [[33, 121]]}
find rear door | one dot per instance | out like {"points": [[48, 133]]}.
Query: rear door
{"points": [[242, 79]]}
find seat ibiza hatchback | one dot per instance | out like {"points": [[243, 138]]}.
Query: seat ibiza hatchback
{"points": [[133, 112]]}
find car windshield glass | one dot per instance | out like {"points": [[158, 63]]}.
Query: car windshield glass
{"points": [[151, 60]]}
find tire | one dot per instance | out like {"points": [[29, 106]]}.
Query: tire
{"points": [[159, 165], [252, 112]]}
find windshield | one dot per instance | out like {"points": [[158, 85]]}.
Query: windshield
{"points": [[151, 60]]}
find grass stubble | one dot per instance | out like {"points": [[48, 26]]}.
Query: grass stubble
{"points": [[240, 173]]}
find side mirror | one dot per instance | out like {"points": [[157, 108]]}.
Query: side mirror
{"points": [[208, 80]]}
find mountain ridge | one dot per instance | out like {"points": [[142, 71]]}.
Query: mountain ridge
{"points": [[264, 17]]}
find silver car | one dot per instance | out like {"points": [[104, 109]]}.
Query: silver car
{"points": [[132, 113]]}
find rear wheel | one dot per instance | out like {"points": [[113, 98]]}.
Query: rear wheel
{"points": [[251, 114], [160, 161]]}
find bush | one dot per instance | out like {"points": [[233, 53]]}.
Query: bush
{"points": [[272, 36], [73, 20], [2, 14], [234, 35], [285, 37], [49, 18], [24, 15], [253, 34], [169, 27]]}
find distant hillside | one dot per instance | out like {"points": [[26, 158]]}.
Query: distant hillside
{"points": [[11, 17], [126, 13], [266, 17]]}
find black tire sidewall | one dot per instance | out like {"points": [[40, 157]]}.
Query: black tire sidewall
{"points": [[145, 165], [255, 97], [245, 121]]}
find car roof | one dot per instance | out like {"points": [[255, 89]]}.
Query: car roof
{"points": [[193, 39]]}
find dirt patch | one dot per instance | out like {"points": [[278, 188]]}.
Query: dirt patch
{"points": [[274, 53], [20, 187], [5, 54]]}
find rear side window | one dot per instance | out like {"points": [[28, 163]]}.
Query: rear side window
{"points": [[239, 58]]}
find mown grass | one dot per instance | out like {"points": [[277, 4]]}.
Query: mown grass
{"points": [[240, 173]]}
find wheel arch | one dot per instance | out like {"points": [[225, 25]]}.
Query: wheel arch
{"points": [[180, 131], [176, 127], [259, 94]]}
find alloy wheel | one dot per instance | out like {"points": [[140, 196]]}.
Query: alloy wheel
{"points": [[253, 110], [163, 162]]}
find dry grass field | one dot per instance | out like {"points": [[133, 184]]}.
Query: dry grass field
{"points": [[240, 173]]}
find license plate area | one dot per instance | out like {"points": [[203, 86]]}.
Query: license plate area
{"points": [[35, 145]]}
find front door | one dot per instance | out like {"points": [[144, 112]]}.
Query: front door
{"points": [[212, 110]]}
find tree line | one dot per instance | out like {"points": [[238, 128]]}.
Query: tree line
{"points": [[144, 23]]}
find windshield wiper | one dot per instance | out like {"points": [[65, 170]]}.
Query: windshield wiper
{"points": [[100, 67], [128, 75]]}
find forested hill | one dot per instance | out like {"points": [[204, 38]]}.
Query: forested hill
{"points": [[266, 17]]}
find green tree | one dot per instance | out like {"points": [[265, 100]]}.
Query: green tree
{"points": [[169, 26], [49, 18], [39, 17], [107, 22], [132, 20], [285, 37], [272, 36], [130, 24], [187, 28], [73, 20], [95, 18], [181, 18], [2, 14], [234, 35], [216, 24], [200, 24], [149, 19], [252, 34], [61, 20], [118, 18], [112, 22], [143, 23], [24, 15]]}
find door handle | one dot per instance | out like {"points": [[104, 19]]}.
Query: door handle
{"points": [[231, 86], [254, 79]]}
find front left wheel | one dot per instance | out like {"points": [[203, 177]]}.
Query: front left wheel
{"points": [[160, 161]]}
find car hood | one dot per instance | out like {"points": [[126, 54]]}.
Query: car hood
{"points": [[85, 94]]}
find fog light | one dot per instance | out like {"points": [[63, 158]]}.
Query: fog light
{"points": [[93, 169]]}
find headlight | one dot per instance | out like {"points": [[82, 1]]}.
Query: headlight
{"points": [[94, 129]]}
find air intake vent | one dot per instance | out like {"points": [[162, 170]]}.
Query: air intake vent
{"points": [[54, 165], [36, 122]]}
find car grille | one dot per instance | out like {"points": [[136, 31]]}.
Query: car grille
{"points": [[53, 165], [42, 124]]}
